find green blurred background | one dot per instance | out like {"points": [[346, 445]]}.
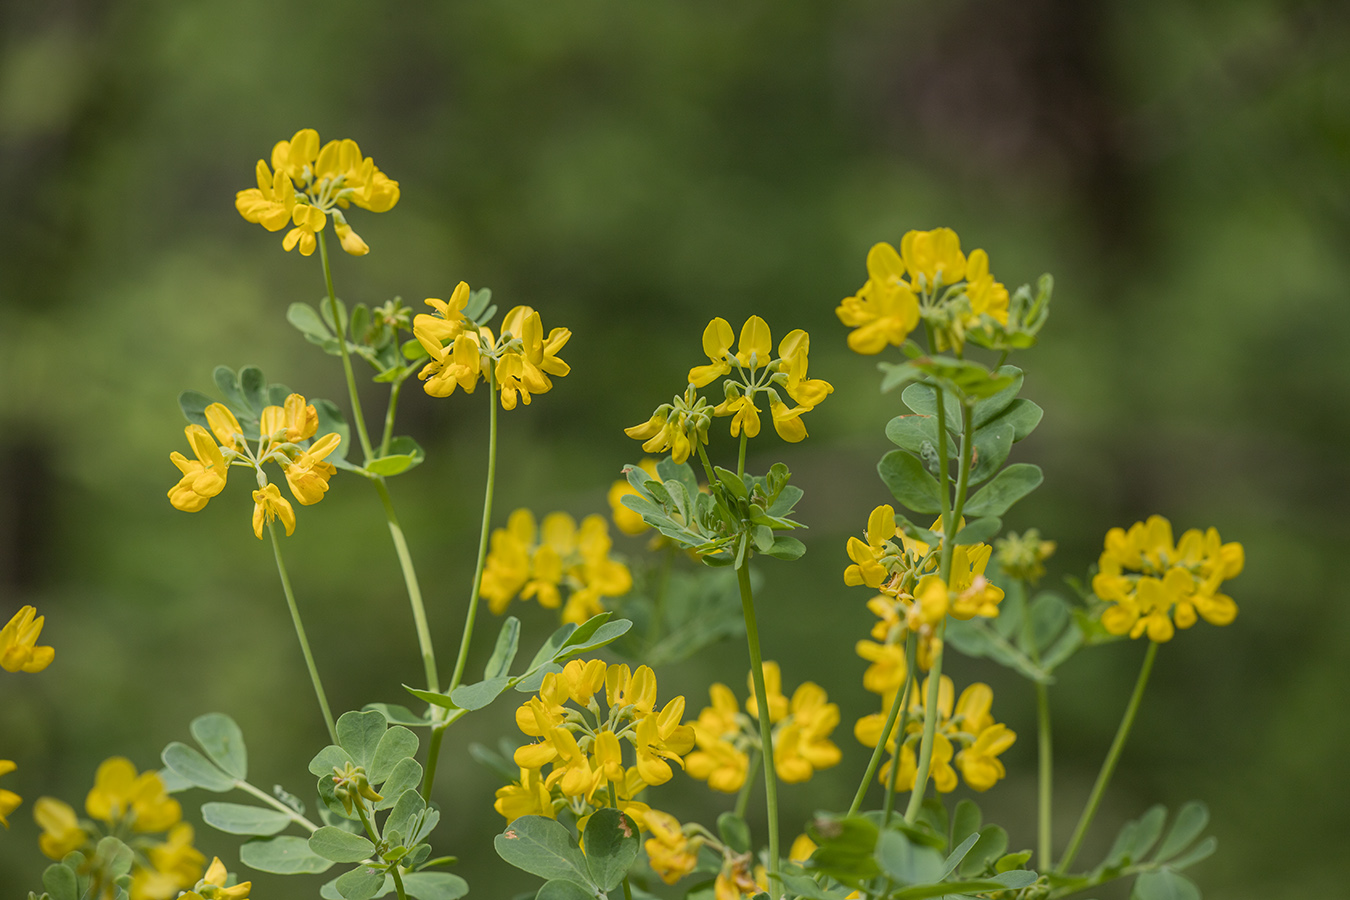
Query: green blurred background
{"points": [[633, 170]]}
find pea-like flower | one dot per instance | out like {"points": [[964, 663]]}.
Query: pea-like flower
{"points": [[18, 643], [539, 562], [9, 801], [670, 851], [307, 183], [212, 885], [1153, 586]]}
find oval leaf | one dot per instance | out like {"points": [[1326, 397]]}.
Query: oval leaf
{"points": [[1009, 486], [909, 482], [239, 818], [285, 855], [361, 883], [611, 847], [359, 733], [557, 889], [191, 766], [397, 744], [504, 652], [333, 843], [223, 742], [433, 886], [542, 847], [480, 694]]}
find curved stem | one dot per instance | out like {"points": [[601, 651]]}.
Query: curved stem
{"points": [[762, 702], [901, 697], [911, 649], [300, 633], [405, 562], [388, 435], [707, 466], [341, 329], [1112, 757]]}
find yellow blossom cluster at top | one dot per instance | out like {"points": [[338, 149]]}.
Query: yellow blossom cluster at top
{"points": [[913, 597], [285, 436], [308, 183], [463, 352], [930, 279], [682, 426], [970, 726], [538, 562], [726, 737], [583, 744], [123, 802], [18, 643], [1151, 583]]}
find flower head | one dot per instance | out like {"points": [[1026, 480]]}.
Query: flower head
{"points": [[18, 644], [9, 801]]}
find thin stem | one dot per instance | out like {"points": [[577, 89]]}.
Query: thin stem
{"points": [[300, 633], [388, 436], [888, 803], [405, 562], [762, 702], [707, 466], [743, 798], [1044, 749], [1112, 757], [278, 805], [930, 717], [339, 326], [901, 696], [740, 455], [398, 882]]}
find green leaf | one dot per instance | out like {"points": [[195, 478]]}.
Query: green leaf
{"points": [[993, 841], [611, 847], [946, 889], [341, 846], [923, 400], [399, 715], [917, 434], [558, 889], [223, 742], [532, 682], [802, 886], [60, 882], [432, 697], [1050, 615], [329, 758], [361, 883], [555, 641], [785, 547], [998, 496], [194, 404], [543, 847], [605, 633], [331, 421], [479, 694], [954, 859], [979, 531], [285, 855], [845, 848], [504, 653], [991, 407], [192, 766], [905, 863], [404, 454], [992, 446], [910, 483], [1164, 885], [228, 384], [238, 818], [405, 776], [734, 831], [254, 387], [432, 886], [402, 818], [1202, 850], [1023, 415], [359, 733], [1137, 837], [307, 320], [1015, 879], [397, 744], [965, 820], [1190, 821], [1011, 862]]}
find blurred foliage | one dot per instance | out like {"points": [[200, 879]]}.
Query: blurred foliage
{"points": [[1182, 169]]}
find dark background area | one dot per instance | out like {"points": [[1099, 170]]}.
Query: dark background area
{"points": [[632, 170]]}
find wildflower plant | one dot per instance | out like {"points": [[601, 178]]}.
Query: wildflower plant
{"points": [[594, 745]]}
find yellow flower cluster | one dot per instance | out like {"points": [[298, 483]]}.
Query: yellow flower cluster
{"points": [[124, 803], [970, 727], [682, 427], [463, 352], [281, 433], [801, 731], [9, 801], [913, 596], [18, 640], [538, 562], [1152, 583], [929, 278], [673, 851], [307, 183], [625, 519], [212, 885], [583, 745]]}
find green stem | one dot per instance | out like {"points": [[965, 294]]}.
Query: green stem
{"points": [[911, 651], [398, 882], [388, 435], [761, 701], [278, 805], [339, 326], [300, 633], [743, 798], [1112, 757], [405, 562], [1044, 749], [901, 696], [438, 731], [707, 466], [740, 455]]}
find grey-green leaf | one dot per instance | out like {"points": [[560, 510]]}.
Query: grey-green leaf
{"points": [[1190, 821], [992, 446], [1009, 486], [1202, 850], [543, 847], [359, 733], [558, 889], [223, 742], [329, 758], [504, 652], [406, 775], [480, 694], [611, 847], [239, 818], [433, 886], [398, 743], [909, 482], [993, 841], [1164, 885], [905, 862], [991, 407], [735, 833], [341, 846], [285, 855], [306, 318], [979, 531], [361, 883], [192, 766], [60, 882], [785, 547]]}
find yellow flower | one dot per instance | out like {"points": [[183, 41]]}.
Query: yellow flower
{"points": [[934, 258], [1152, 586], [744, 413], [979, 764], [18, 645], [307, 475], [212, 885], [717, 338], [120, 795], [671, 854], [792, 352], [802, 745], [564, 556], [885, 310], [972, 594], [176, 865], [625, 519], [887, 670], [61, 831], [204, 477], [524, 371], [268, 504], [527, 797], [718, 762], [448, 322], [867, 568], [773, 691], [310, 182], [680, 426], [9, 801], [293, 421], [987, 297]]}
